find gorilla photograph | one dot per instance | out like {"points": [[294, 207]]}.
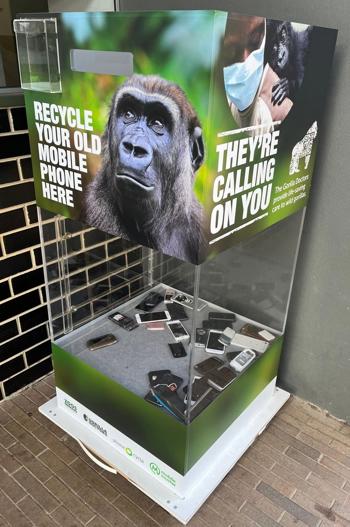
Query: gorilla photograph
{"points": [[152, 149], [160, 105], [264, 64]]}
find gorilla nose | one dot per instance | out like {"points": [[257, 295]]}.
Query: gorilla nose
{"points": [[135, 154]]}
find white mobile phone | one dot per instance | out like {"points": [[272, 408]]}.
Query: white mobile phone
{"points": [[178, 331], [213, 343], [242, 360], [155, 316], [244, 341], [227, 336]]}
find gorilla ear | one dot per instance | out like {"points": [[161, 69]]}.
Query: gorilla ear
{"points": [[197, 148]]}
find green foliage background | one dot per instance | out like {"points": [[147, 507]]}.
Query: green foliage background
{"points": [[178, 46]]}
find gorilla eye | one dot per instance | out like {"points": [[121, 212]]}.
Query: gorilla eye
{"points": [[129, 116], [157, 125]]}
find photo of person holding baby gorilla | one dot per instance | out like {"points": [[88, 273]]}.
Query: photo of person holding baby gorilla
{"points": [[263, 67]]}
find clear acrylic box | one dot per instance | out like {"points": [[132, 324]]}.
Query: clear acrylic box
{"points": [[38, 56], [91, 275]]}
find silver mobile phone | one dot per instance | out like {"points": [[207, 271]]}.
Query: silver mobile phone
{"points": [[101, 342]]}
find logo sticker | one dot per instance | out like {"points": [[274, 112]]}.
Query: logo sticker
{"points": [[154, 468]]}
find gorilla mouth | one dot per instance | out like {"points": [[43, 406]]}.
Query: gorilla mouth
{"points": [[136, 180]]}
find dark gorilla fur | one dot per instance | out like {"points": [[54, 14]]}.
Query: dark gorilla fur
{"points": [[170, 220]]}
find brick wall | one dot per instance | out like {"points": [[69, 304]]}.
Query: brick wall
{"points": [[99, 269]]}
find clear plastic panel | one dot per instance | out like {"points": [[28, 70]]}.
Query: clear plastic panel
{"points": [[91, 276], [247, 289], [38, 55], [87, 271], [254, 278]]}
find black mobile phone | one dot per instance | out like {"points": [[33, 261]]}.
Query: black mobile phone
{"points": [[123, 321], [219, 315], [149, 397], [202, 403], [218, 325], [150, 301], [165, 378], [221, 378], [170, 401], [177, 312], [208, 364], [177, 349], [201, 337], [199, 388], [154, 375]]}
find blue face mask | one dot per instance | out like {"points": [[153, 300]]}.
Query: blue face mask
{"points": [[242, 79]]}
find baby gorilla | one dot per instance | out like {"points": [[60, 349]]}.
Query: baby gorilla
{"points": [[152, 147], [286, 52]]}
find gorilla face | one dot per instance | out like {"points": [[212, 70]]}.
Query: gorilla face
{"points": [[143, 129], [152, 147], [281, 48]]}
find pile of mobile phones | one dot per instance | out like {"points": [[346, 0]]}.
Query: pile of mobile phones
{"points": [[163, 392], [256, 333], [170, 401], [216, 373]]}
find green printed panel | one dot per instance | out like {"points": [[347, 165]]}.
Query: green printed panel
{"points": [[151, 428], [213, 421], [176, 157], [176, 444]]}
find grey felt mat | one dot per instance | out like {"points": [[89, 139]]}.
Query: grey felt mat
{"points": [[139, 351]]}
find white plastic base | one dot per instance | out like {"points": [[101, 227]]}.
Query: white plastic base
{"points": [[209, 470]]}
